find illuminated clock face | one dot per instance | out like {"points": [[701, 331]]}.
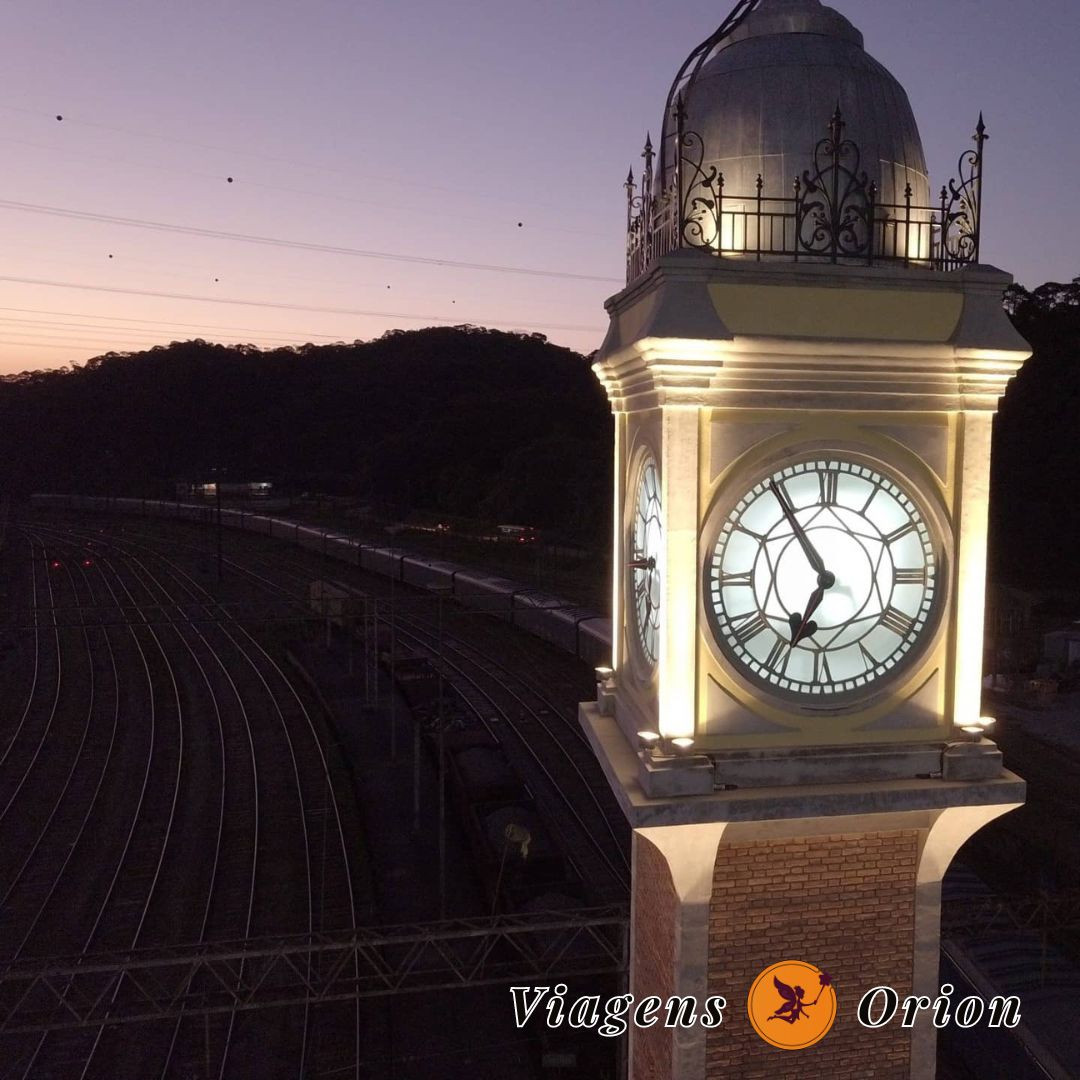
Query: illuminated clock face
{"points": [[645, 557], [824, 580]]}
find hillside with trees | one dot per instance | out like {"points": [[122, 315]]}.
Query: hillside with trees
{"points": [[1035, 483], [471, 422], [460, 420]]}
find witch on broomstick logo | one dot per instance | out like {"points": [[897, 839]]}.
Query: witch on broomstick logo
{"points": [[778, 994]]}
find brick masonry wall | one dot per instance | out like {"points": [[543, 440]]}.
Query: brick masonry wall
{"points": [[845, 903], [655, 913]]}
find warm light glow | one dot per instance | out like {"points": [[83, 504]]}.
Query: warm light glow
{"points": [[616, 549], [648, 740], [679, 578], [910, 237], [682, 744], [978, 727], [733, 229], [604, 673], [974, 480]]}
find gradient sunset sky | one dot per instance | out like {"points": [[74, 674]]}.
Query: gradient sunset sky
{"points": [[495, 133]]}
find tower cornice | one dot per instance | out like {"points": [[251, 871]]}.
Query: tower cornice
{"points": [[809, 336]]}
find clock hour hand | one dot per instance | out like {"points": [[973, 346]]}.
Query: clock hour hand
{"points": [[801, 625], [804, 541], [806, 627]]}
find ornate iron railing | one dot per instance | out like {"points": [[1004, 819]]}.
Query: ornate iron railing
{"points": [[834, 213]]}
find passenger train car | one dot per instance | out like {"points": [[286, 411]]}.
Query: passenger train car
{"points": [[577, 630]]}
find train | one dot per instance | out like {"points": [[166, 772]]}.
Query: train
{"points": [[584, 633], [518, 862]]}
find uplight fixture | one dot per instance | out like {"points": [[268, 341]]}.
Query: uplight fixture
{"points": [[648, 741]]}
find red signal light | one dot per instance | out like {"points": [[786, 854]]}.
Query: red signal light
{"points": [[55, 564], [88, 561]]}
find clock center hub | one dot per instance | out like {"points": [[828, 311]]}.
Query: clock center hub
{"points": [[847, 582]]}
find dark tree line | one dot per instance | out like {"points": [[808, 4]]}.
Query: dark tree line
{"points": [[1035, 484], [461, 420]]}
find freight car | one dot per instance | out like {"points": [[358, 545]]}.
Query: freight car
{"points": [[495, 807]]}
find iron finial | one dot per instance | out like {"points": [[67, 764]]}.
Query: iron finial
{"points": [[836, 125], [760, 183], [629, 179], [980, 135]]}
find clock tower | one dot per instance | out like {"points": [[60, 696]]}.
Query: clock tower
{"points": [[804, 367]]}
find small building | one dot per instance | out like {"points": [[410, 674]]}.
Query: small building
{"points": [[247, 489], [1061, 648]]}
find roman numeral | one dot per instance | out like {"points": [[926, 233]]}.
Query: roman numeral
{"points": [[779, 650], [827, 481], [896, 534], [896, 621], [822, 674], [753, 624], [915, 575], [750, 532], [727, 580]]}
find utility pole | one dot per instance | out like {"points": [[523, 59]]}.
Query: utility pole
{"points": [[217, 500], [393, 675], [442, 758]]}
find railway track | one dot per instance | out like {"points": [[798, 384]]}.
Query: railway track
{"points": [[523, 692], [172, 775], [510, 698], [536, 714]]}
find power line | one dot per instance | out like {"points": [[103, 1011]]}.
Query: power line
{"points": [[173, 170], [81, 335], [455, 320], [306, 164], [44, 345], [301, 245], [297, 334], [149, 332]]}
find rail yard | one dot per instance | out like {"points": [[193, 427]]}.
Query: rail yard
{"points": [[168, 778]]}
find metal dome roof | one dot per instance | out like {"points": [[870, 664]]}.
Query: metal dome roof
{"points": [[763, 97]]}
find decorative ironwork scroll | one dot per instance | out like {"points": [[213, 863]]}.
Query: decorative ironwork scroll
{"points": [[701, 190], [834, 204], [833, 214], [960, 207]]}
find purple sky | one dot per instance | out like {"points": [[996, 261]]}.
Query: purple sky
{"points": [[429, 130]]}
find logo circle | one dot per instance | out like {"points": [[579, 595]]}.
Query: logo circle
{"points": [[792, 1004]]}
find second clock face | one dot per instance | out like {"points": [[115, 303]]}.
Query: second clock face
{"points": [[646, 550], [823, 579]]}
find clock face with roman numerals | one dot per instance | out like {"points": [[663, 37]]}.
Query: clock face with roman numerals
{"points": [[646, 551], [824, 580]]}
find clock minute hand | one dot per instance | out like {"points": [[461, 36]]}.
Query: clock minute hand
{"points": [[804, 541]]}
